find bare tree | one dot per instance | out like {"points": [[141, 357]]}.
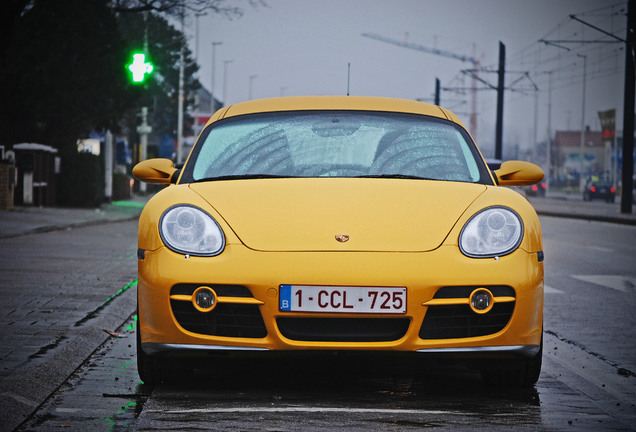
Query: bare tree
{"points": [[177, 7]]}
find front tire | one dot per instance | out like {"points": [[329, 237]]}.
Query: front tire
{"points": [[146, 367], [515, 373], [156, 370]]}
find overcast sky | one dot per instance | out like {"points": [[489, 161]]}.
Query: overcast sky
{"points": [[303, 47]]}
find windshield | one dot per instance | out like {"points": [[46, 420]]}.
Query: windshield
{"points": [[335, 144]]}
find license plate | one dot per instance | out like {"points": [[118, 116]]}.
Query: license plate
{"points": [[304, 298]]}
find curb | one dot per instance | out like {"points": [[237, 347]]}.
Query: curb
{"points": [[37, 380], [50, 228], [28, 220], [588, 217]]}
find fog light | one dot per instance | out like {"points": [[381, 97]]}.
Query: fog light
{"points": [[481, 300], [204, 299]]}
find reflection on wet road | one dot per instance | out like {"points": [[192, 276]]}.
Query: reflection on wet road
{"points": [[575, 391]]}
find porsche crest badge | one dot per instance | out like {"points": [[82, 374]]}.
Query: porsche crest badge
{"points": [[342, 238]]}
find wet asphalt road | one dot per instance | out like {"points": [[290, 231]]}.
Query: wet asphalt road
{"points": [[588, 380], [576, 392]]}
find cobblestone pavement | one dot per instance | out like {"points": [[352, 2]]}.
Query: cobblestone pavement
{"points": [[67, 276]]}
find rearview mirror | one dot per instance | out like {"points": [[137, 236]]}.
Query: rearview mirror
{"points": [[155, 171], [518, 173]]}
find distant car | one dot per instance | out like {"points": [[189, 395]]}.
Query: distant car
{"points": [[537, 190], [599, 190], [331, 224]]}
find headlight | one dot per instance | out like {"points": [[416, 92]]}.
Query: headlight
{"points": [[189, 230], [494, 231]]}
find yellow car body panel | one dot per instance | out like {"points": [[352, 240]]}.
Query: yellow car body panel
{"points": [[285, 216], [263, 272], [339, 232], [332, 102]]}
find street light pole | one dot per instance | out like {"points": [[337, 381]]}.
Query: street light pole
{"points": [[143, 130], [196, 35], [582, 150], [225, 63]]}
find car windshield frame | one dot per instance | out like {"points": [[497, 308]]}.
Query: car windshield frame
{"points": [[335, 143]]}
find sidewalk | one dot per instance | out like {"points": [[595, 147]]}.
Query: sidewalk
{"points": [[62, 291], [571, 206], [27, 220]]}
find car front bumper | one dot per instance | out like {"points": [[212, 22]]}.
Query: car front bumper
{"points": [[173, 326]]}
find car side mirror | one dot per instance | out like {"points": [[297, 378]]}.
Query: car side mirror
{"points": [[518, 173], [161, 171]]}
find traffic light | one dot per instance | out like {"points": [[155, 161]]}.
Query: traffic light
{"points": [[139, 67]]}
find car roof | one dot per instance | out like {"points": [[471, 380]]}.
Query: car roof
{"points": [[310, 103]]}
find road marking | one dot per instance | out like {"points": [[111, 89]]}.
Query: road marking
{"points": [[299, 409], [550, 290], [600, 249], [625, 284], [68, 410]]}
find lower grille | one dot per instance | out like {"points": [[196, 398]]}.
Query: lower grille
{"points": [[459, 321], [226, 319], [343, 329]]}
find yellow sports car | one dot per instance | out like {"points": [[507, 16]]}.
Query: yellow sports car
{"points": [[339, 224]]}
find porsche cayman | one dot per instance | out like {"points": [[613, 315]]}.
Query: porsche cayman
{"points": [[341, 224]]}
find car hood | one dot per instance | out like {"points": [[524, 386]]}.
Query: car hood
{"points": [[307, 214]]}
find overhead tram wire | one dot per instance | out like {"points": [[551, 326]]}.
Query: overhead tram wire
{"points": [[560, 31], [569, 32]]}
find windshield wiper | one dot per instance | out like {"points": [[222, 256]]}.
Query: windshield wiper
{"points": [[396, 176], [241, 177]]}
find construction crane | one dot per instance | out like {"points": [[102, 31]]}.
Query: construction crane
{"points": [[422, 48]]}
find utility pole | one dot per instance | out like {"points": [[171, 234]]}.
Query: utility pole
{"points": [[549, 149], [582, 150], [213, 101], [500, 101], [628, 101], [628, 111], [437, 91]]}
